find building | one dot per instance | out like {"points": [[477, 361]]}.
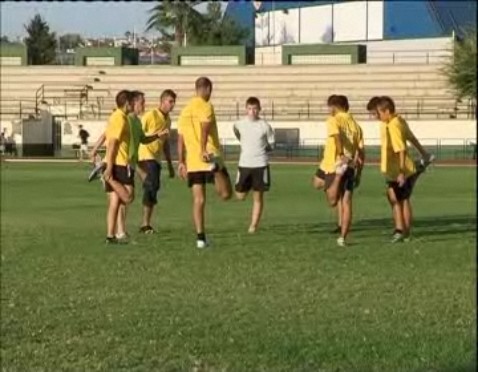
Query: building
{"points": [[304, 22]]}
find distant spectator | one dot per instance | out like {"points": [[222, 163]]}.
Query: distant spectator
{"points": [[83, 134], [10, 145]]}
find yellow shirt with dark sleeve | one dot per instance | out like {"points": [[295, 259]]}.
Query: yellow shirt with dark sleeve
{"points": [[393, 141], [152, 122], [196, 112], [118, 128]]}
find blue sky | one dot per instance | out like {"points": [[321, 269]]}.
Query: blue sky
{"points": [[89, 19]]}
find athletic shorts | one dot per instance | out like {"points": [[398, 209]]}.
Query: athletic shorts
{"points": [[123, 174], [347, 181], [204, 177], [152, 183], [404, 192], [256, 179]]}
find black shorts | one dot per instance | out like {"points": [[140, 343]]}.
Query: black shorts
{"points": [[256, 179], [123, 174], [347, 181], [204, 177], [404, 192], [152, 183]]}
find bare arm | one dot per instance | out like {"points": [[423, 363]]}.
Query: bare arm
{"points": [[181, 165], [101, 140], [236, 132], [414, 141], [205, 128]]}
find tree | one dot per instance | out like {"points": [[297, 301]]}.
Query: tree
{"points": [[41, 43], [175, 20], [461, 69], [70, 41], [4, 40], [219, 30]]}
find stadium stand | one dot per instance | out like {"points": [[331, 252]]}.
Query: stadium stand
{"points": [[287, 92]]}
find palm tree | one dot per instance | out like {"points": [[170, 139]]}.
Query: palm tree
{"points": [[175, 20]]}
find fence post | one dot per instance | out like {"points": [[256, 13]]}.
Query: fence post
{"points": [[308, 109], [393, 58], [20, 104], [237, 110], [272, 110], [428, 58]]}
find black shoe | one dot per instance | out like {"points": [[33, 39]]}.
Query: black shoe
{"points": [[147, 230], [97, 170], [110, 240]]}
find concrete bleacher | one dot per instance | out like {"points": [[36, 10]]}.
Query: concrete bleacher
{"points": [[287, 92]]}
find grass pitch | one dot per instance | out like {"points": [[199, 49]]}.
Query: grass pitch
{"points": [[286, 299]]}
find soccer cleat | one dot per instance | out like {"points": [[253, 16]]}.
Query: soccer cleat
{"points": [[423, 163], [97, 170], [147, 230], [341, 242], [397, 238], [201, 244]]}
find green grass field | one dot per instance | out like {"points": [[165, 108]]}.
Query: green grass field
{"points": [[286, 299]]}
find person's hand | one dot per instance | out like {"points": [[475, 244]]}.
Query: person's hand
{"points": [[162, 133], [182, 171], [401, 179], [206, 157], [107, 174], [172, 173]]}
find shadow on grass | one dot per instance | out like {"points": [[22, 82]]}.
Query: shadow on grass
{"points": [[425, 226]]}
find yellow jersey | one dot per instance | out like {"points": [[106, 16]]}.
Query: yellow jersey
{"points": [[393, 136], [196, 112], [152, 122], [118, 128], [351, 137]]}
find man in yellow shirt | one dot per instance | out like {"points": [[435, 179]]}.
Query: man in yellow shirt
{"points": [[149, 165], [118, 176], [199, 154], [398, 128], [123, 135], [336, 173], [397, 167]]}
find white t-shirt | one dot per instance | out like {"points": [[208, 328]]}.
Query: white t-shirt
{"points": [[255, 137]]}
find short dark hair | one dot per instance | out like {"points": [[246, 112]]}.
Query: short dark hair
{"points": [[372, 103], [123, 97], [203, 82], [338, 101], [168, 93], [135, 94], [253, 101], [386, 103]]}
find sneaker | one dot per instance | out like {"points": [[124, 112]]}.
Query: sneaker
{"points": [[341, 242], [122, 238], [406, 237], [147, 230], [397, 238], [201, 244], [251, 230], [422, 164], [97, 170]]}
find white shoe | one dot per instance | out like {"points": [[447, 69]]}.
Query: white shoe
{"points": [[252, 230], [341, 242], [201, 244]]}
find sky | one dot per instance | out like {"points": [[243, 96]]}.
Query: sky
{"points": [[90, 19]]}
